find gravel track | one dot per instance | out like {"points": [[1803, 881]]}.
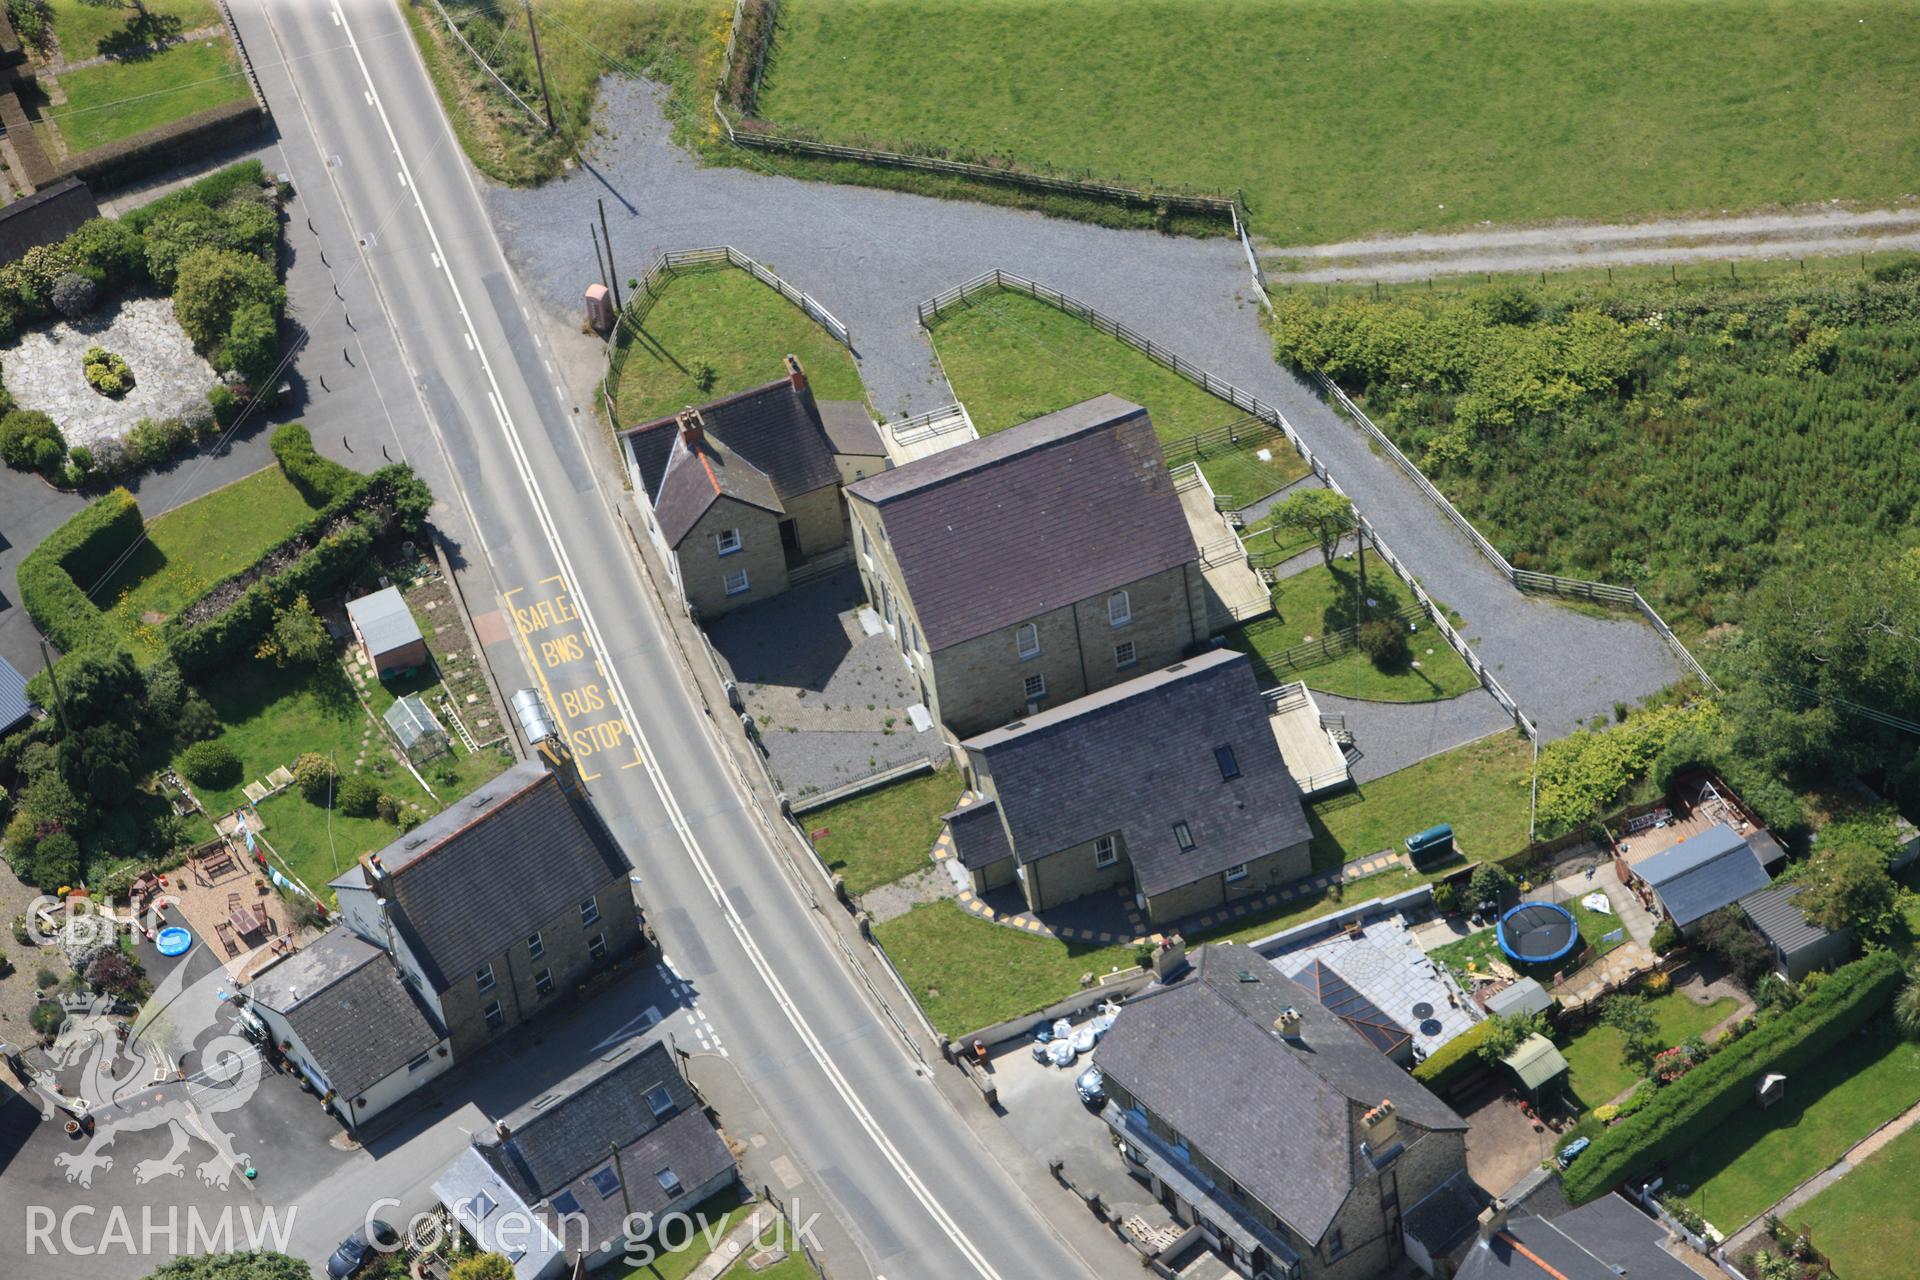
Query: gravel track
{"points": [[870, 255]]}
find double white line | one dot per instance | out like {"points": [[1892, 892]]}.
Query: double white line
{"points": [[695, 854]]}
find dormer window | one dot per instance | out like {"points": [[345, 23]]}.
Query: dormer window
{"points": [[1183, 836], [1119, 609]]}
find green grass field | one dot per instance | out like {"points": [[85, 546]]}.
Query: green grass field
{"points": [[191, 547], [1342, 118], [724, 321], [1597, 1074], [1759, 1156], [120, 99], [723, 1211], [1853, 1221], [86, 30], [1312, 604], [1481, 788], [876, 838]]}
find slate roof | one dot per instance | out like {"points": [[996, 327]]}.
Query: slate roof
{"points": [[1280, 1119], [497, 865], [1585, 1244], [1775, 914], [383, 620], [1446, 1215], [1703, 873], [344, 999], [1523, 996], [979, 836], [1056, 510], [558, 1141], [14, 705], [1137, 758], [775, 428], [850, 429], [698, 476]]}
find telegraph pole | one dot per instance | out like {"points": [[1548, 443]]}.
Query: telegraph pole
{"points": [[534, 31], [611, 269], [598, 260]]}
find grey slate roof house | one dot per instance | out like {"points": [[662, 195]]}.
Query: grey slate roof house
{"points": [[1799, 947], [604, 1154], [1171, 785], [386, 632], [1702, 874], [1292, 1142], [1605, 1240], [362, 1037], [744, 490], [496, 905], [1033, 566]]}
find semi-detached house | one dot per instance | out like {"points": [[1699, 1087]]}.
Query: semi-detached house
{"points": [[1034, 566]]}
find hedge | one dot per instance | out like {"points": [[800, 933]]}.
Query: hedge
{"points": [[319, 480], [1686, 1113], [117, 163], [81, 551], [1455, 1060], [211, 191]]}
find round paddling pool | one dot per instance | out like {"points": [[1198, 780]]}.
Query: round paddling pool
{"points": [[173, 940]]}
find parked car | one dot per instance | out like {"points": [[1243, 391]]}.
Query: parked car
{"points": [[358, 1249], [1092, 1085]]}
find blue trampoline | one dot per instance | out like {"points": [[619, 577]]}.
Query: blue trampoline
{"points": [[1538, 933]]}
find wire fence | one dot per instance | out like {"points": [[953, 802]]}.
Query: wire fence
{"points": [[1523, 579], [486, 66], [987, 283]]}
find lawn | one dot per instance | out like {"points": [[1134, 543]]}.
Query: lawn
{"points": [[876, 838], [1243, 471], [120, 99], [1539, 110], [1482, 788], [1319, 601], [1011, 358], [968, 974], [1596, 1072], [1479, 950], [86, 30], [724, 322], [1759, 1156], [191, 547], [721, 1210], [1854, 1221]]}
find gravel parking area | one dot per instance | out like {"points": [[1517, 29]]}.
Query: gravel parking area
{"points": [[44, 370], [830, 700]]}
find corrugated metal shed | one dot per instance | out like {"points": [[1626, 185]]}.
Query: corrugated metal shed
{"points": [[384, 621], [1698, 876], [1524, 996]]}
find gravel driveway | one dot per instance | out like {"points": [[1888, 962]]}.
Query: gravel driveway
{"points": [[870, 255]]}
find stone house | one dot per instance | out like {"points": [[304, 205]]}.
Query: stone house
{"points": [[1171, 784], [495, 908], [1293, 1146], [563, 1183], [742, 495], [1034, 566]]}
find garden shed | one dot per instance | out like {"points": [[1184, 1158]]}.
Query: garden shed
{"points": [[1517, 998], [1700, 875], [417, 730], [1799, 947], [1538, 1065], [384, 629]]}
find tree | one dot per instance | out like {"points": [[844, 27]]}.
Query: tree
{"points": [[1489, 883], [73, 295], [1504, 1034], [215, 284], [210, 764], [359, 795], [1725, 933], [314, 774], [298, 636], [1848, 886], [483, 1266], [56, 862], [114, 974], [252, 346], [29, 441], [1639, 1030], [1320, 514], [235, 1266], [1906, 1007]]}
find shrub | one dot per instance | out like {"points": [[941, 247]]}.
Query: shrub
{"points": [[1504, 1034], [227, 407], [320, 480], [56, 862], [29, 441], [1666, 937], [298, 636], [153, 440], [252, 346], [1455, 1060], [1489, 883], [73, 295], [408, 820], [47, 1017], [1384, 643], [1687, 1113], [388, 809], [359, 796], [214, 284], [210, 764], [114, 974], [315, 775], [107, 372], [107, 252]]}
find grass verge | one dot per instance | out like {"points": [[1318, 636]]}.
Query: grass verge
{"points": [[876, 838]]}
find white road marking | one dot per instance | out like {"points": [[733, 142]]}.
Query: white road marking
{"points": [[696, 855]]}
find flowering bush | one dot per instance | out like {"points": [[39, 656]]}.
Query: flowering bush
{"points": [[107, 373]]}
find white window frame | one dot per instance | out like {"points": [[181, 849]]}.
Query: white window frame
{"points": [[1183, 837], [1028, 631], [1119, 609], [1106, 851], [1125, 655], [670, 1183], [544, 978], [1031, 694], [727, 542], [1238, 871], [483, 978], [736, 583], [597, 947], [495, 1017], [536, 946], [589, 913]]}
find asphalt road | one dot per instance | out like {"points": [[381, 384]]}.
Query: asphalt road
{"points": [[909, 1179]]}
